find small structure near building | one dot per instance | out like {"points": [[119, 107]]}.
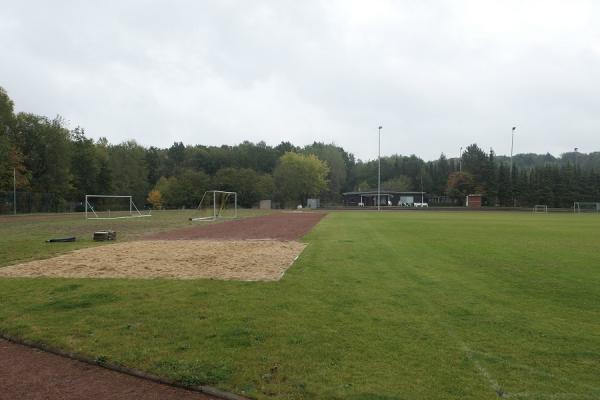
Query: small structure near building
{"points": [[387, 198], [473, 201], [313, 203], [264, 205]]}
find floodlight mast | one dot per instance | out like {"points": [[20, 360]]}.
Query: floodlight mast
{"points": [[379, 170], [14, 191], [512, 143]]}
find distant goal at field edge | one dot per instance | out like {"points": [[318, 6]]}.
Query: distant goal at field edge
{"points": [[216, 204], [540, 208], [586, 206], [103, 206]]}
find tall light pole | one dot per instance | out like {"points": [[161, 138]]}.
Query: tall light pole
{"points": [[379, 171], [576, 152], [460, 160], [512, 143], [15, 191]]}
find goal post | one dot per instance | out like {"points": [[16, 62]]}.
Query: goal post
{"points": [[103, 206], [540, 208], [586, 206], [216, 204]]}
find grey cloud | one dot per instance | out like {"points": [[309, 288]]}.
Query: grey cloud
{"points": [[436, 74]]}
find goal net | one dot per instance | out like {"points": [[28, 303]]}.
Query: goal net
{"points": [[99, 206], [216, 204], [586, 206], [540, 208]]}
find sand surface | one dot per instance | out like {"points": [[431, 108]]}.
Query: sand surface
{"points": [[248, 260]]}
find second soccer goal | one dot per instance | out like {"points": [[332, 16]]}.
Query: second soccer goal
{"points": [[216, 204], [100, 206]]}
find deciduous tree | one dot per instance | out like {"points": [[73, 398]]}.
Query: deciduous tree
{"points": [[298, 177], [460, 184]]}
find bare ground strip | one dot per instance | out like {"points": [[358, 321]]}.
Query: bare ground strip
{"points": [[57, 377], [278, 225]]}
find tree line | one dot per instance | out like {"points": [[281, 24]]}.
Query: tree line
{"points": [[48, 158]]}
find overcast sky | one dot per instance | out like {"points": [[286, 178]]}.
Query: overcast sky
{"points": [[436, 74]]}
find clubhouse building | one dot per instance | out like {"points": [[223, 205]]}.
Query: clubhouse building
{"points": [[388, 198]]}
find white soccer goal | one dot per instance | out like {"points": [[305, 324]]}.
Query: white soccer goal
{"points": [[586, 206], [540, 208], [100, 206], [216, 204]]}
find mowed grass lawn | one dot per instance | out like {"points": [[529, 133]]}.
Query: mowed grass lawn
{"points": [[391, 305]]}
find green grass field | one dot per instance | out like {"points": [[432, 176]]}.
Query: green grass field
{"points": [[391, 305]]}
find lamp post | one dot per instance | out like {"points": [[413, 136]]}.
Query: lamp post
{"points": [[14, 191], [512, 143], [460, 160], [379, 171], [576, 153]]}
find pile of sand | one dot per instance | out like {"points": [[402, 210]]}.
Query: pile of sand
{"points": [[248, 260]]}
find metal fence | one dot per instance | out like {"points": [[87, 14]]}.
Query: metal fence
{"points": [[31, 202]]}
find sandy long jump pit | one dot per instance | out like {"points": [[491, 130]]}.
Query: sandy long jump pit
{"points": [[248, 260], [250, 249]]}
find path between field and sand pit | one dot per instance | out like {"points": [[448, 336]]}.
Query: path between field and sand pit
{"points": [[289, 225]]}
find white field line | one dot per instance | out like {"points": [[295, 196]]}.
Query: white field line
{"points": [[539, 372], [550, 396], [489, 380], [493, 383], [482, 371]]}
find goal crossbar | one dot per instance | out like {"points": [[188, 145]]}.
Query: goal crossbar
{"points": [[217, 210], [89, 208]]}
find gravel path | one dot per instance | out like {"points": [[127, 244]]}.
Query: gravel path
{"points": [[280, 226], [29, 374]]}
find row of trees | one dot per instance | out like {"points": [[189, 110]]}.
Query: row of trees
{"points": [[554, 183], [49, 158]]}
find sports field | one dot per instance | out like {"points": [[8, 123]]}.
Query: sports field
{"points": [[390, 305]]}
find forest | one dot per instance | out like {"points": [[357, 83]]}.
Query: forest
{"points": [[54, 167]]}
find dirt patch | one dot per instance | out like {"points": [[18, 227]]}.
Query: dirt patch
{"points": [[27, 373], [280, 226], [248, 260]]}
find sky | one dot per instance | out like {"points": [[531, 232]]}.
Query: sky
{"points": [[437, 75]]}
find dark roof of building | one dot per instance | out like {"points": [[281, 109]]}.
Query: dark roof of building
{"points": [[383, 191]]}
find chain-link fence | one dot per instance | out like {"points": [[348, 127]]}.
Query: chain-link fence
{"points": [[30, 202]]}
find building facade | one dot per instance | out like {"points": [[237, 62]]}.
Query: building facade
{"points": [[388, 198]]}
